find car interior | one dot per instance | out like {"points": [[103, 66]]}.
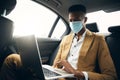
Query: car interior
{"points": [[6, 30], [49, 45]]}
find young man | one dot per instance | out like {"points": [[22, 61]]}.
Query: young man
{"points": [[78, 53]]}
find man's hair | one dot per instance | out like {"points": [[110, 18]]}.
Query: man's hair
{"points": [[76, 8]]}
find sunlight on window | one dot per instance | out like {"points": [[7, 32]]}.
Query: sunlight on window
{"points": [[31, 18], [59, 30], [104, 20]]}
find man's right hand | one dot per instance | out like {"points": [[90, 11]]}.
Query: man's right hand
{"points": [[68, 68]]}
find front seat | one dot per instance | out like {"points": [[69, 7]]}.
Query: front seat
{"points": [[6, 28], [113, 41]]}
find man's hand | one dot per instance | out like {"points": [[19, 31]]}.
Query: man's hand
{"points": [[68, 68]]}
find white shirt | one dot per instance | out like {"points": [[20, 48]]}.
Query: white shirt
{"points": [[75, 52]]}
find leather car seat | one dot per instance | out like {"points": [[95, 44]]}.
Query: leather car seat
{"points": [[113, 41], [6, 28], [92, 27]]}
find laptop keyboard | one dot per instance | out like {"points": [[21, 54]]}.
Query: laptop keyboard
{"points": [[49, 73]]}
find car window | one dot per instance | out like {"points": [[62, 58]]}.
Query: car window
{"points": [[32, 18], [104, 20], [59, 29]]}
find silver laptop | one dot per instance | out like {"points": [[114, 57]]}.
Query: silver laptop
{"points": [[30, 55]]}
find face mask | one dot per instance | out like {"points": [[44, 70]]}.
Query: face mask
{"points": [[76, 26]]}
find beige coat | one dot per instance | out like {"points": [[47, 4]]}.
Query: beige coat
{"points": [[94, 48]]}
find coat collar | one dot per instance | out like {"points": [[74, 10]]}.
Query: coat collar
{"points": [[86, 43]]}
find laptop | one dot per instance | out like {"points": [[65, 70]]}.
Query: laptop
{"points": [[29, 51]]}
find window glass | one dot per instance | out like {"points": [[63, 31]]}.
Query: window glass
{"points": [[32, 18], [104, 20], [59, 29]]}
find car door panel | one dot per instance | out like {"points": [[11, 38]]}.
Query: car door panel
{"points": [[47, 47]]}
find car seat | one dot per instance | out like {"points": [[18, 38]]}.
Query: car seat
{"points": [[113, 41], [92, 27], [6, 28]]}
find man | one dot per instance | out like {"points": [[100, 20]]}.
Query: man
{"points": [[78, 53]]}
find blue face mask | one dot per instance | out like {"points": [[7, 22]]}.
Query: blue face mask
{"points": [[76, 26]]}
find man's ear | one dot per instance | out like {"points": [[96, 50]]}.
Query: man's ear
{"points": [[85, 20]]}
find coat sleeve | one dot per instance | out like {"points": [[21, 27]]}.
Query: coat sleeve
{"points": [[105, 63], [58, 56]]}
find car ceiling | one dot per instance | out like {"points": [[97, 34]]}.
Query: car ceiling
{"points": [[61, 6]]}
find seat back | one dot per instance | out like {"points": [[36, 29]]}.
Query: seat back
{"points": [[92, 27], [6, 31], [113, 41], [52, 57], [6, 28]]}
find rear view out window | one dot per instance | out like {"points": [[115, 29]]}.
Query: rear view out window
{"points": [[104, 20], [32, 18]]}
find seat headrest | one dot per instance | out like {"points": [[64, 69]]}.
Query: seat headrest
{"points": [[92, 27], [7, 5], [114, 29]]}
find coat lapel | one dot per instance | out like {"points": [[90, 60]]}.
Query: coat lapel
{"points": [[86, 43], [67, 46]]}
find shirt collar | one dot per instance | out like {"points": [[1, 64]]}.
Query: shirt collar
{"points": [[83, 35]]}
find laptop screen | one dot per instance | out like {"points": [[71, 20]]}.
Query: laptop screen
{"points": [[30, 55]]}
